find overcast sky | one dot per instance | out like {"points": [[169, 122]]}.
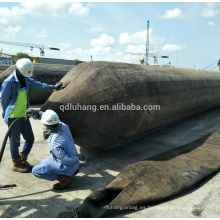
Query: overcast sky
{"points": [[188, 32]]}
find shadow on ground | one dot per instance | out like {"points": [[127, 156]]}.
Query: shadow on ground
{"points": [[34, 208]]}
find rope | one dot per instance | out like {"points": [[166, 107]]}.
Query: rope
{"points": [[214, 67], [210, 65]]}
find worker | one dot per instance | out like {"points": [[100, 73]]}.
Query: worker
{"points": [[63, 162], [15, 101]]}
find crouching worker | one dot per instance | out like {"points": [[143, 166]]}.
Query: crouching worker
{"points": [[64, 160]]}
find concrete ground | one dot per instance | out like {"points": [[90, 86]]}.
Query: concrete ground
{"points": [[34, 198]]}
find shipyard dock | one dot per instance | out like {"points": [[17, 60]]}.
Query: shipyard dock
{"points": [[34, 198]]}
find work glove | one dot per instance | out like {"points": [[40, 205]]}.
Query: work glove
{"points": [[58, 86], [32, 113]]}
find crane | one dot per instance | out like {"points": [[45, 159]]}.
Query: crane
{"points": [[147, 43], [158, 56], [155, 56], [147, 54], [32, 46]]}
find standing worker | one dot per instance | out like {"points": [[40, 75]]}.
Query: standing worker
{"points": [[64, 160], [15, 101]]}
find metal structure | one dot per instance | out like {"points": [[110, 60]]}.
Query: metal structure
{"points": [[32, 46], [147, 54], [155, 56], [147, 43]]}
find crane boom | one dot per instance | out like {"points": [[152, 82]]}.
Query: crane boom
{"points": [[41, 47], [155, 56]]}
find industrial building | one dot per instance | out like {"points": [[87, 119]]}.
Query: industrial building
{"points": [[49, 60], [6, 61]]}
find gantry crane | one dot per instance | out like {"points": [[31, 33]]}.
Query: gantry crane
{"points": [[32, 46]]}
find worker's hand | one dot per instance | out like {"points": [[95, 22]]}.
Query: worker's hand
{"points": [[32, 113], [58, 86]]}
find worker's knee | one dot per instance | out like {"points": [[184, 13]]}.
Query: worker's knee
{"points": [[43, 173], [35, 171], [38, 171]]}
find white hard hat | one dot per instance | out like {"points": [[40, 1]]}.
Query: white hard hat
{"points": [[50, 117], [25, 67]]}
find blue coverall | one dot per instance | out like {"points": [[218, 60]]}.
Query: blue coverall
{"points": [[10, 90], [9, 94], [64, 159]]}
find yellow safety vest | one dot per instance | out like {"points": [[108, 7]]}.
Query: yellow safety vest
{"points": [[21, 104]]}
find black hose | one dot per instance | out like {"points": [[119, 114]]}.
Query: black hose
{"points": [[6, 137]]}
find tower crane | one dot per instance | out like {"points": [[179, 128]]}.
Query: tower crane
{"points": [[155, 56], [32, 46], [158, 56], [147, 54], [147, 43]]}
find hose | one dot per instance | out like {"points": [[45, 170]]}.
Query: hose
{"points": [[81, 157], [6, 137]]}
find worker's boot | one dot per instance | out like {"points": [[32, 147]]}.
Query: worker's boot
{"points": [[64, 182], [24, 161], [20, 167]]}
